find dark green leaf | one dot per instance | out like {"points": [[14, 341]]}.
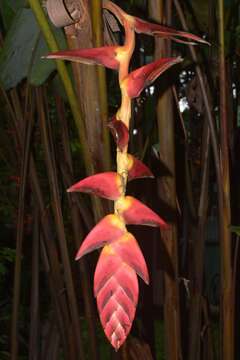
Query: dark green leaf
{"points": [[18, 47], [42, 68], [22, 51], [8, 9]]}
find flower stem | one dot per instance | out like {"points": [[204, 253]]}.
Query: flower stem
{"points": [[124, 112]]}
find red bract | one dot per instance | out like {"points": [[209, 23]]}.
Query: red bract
{"points": [[120, 133], [145, 27], [134, 212], [107, 185], [110, 228], [137, 169], [127, 248], [138, 79], [149, 28], [116, 289], [106, 56]]}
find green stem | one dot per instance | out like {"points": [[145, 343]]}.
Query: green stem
{"points": [[62, 70]]}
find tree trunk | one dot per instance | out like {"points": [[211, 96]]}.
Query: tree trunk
{"points": [[80, 35], [167, 189]]}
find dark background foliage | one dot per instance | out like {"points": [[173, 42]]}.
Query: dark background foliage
{"points": [[191, 308]]}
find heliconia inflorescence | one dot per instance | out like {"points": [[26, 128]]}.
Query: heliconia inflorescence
{"points": [[121, 260]]}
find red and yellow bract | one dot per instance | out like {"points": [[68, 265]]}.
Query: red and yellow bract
{"points": [[139, 79], [137, 169], [106, 185], [106, 56], [134, 212]]}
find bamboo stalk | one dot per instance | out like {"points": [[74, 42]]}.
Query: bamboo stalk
{"points": [[208, 347], [189, 187], [34, 344], [168, 190], [52, 268], [56, 205], [196, 313], [205, 94], [78, 234], [222, 172], [226, 296], [50, 349], [20, 232], [199, 237], [227, 310], [67, 168]]}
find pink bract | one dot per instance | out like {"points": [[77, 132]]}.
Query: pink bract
{"points": [[140, 78], [149, 28], [105, 56], [120, 133], [106, 185]]}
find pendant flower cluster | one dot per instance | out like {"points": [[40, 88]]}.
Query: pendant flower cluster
{"points": [[121, 260]]}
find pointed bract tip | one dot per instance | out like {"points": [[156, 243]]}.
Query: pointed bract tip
{"points": [[134, 212], [109, 229], [137, 169], [116, 290], [107, 185], [154, 29], [144, 76], [106, 56]]}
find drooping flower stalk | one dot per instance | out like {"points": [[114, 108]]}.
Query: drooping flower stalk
{"points": [[121, 260]]}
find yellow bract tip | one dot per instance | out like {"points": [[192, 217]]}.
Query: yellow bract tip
{"points": [[123, 204], [130, 161], [117, 221], [108, 250], [126, 238]]}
